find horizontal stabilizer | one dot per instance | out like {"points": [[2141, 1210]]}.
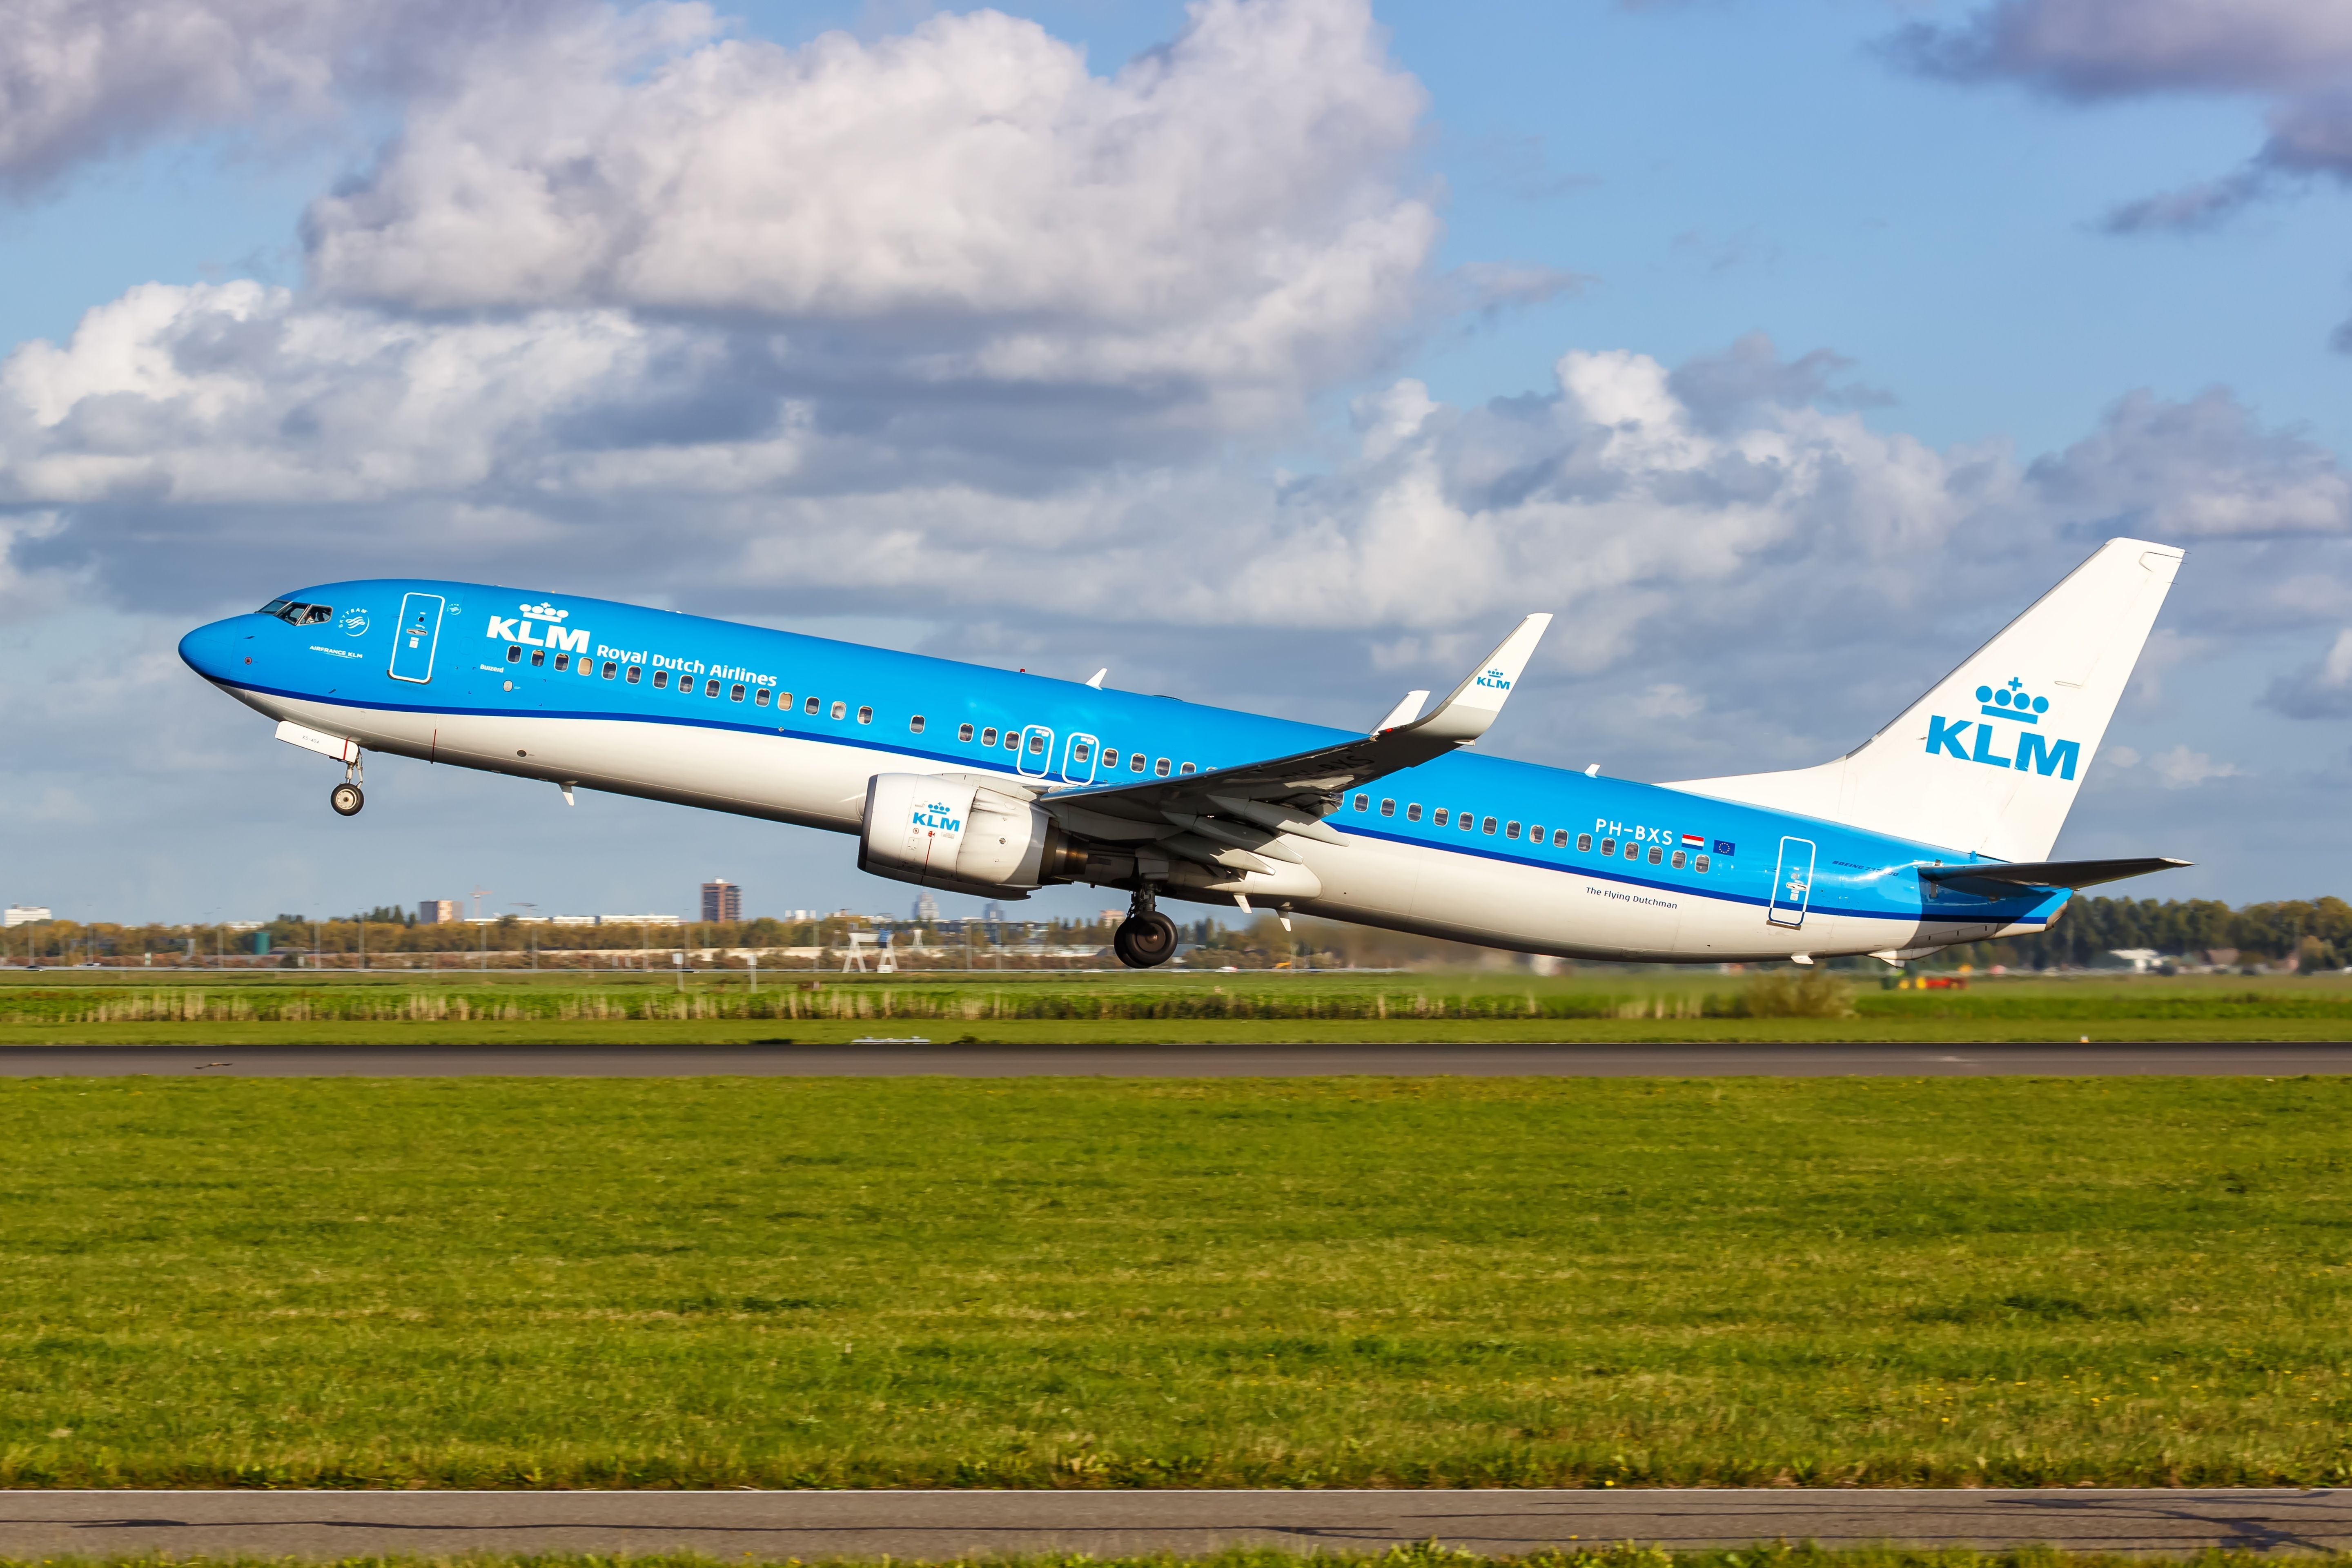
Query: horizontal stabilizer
{"points": [[2051, 873]]}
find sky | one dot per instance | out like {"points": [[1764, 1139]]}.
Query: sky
{"points": [[1274, 353]]}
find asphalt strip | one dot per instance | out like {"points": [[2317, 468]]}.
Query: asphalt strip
{"points": [[920, 1058], [813, 1525]]}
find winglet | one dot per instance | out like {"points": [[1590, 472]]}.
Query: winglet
{"points": [[1468, 712], [1405, 712]]}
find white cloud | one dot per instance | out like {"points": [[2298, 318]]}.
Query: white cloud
{"points": [[2103, 48], [960, 204], [84, 78], [2198, 469], [2321, 690], [2181, 768]]}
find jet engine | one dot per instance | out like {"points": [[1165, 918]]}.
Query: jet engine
{"points": [[961, 836]]}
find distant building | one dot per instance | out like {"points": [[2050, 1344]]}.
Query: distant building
{"points": [[573, 919], [927, 909], [435, 911], [992, 912], [721, 900], [639, 921], [25, 915]]}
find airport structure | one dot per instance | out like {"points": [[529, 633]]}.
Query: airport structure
{"points": [[1935, 831], [722, 902]]}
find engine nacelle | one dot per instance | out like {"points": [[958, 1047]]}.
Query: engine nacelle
{"points": [[949, 833]]}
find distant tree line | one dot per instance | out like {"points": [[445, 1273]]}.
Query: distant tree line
{"points": [[2317, 934]]}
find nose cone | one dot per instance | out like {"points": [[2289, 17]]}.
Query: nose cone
{"points": [[213, 651]]}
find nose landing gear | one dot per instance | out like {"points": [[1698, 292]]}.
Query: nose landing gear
{"points": [[346, 797], [1146, 938]]}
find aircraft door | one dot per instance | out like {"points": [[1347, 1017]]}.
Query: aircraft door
{"points": [[1036, 756], [1792, 883], [1078, 759], [418, 635]]}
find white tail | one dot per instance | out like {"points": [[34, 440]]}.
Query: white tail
{"points": [[1990, 760]]}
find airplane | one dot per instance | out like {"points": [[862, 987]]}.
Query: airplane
{"points": [[1935, 831]]}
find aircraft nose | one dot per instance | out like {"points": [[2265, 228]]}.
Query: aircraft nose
{"points": [[212, 651]]}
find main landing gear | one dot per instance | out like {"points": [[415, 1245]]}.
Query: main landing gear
{"points": [[1146, 938]]}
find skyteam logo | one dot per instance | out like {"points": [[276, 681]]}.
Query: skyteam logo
{"points": [[2013, 702], [537, 618], [354, 623], [1495, 681], [935, 817]]}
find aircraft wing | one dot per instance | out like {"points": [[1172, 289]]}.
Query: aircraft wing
{"points": [[1208, 817], [2050, 873]]}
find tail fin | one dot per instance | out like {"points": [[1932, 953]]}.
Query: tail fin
{"points": [[1990, 760]]}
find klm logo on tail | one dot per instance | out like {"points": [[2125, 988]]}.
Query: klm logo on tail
{"points": [[1495, 681], [2014, 704]]}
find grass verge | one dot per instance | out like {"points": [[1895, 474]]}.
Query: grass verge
{"points": [[1056, 1283]]}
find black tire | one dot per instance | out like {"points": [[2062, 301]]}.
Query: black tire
{"points": [[1145, 941], [346, 799]]}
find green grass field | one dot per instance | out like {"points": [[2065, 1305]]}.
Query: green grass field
{"points": [[508, 1007], [1034, 1283]]}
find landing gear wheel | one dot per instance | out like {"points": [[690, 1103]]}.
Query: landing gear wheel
{"points": [[1145, 941], [346, 799]]}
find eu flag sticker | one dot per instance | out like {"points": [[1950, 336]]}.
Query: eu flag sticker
{"points": [[1725, 847]]}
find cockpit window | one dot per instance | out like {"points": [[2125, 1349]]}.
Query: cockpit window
{"points": [[315, 615], [272, 607], [299, 615]]}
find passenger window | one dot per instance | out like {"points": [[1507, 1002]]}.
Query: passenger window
{"points": [[1468, 823], [783, 701], [734, 694], [1110, 756], [686, 686], [915, 725], [661, 679], [634, 670], [564, 661], [1387, 808], [1678, 859], [1534, 833], [538, 656], [1656, 854], [1438, 817], [1011, 740], [840, 709], [1135, 762], [1186, 768], [1632, 851], [760, 698], [1080, 751], [1036, 743], [864, 715], [1510, 830], [1699, 864], [1161, 767], [514, 653], [811, 705], [1413, 812], [1609, 847], [1560, 839], [613, 669], [963, 732], [987, 736], [1583, 842], [1487, 827], [1363, 803], [709, 688]]}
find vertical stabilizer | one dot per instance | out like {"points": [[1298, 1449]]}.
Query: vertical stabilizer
{"points": [[1988, 761]]}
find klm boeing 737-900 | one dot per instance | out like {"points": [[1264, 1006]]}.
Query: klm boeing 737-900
{"points": [[1935, 831]]}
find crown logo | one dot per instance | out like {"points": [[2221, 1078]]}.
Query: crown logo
{"points": [[545, 612], [2011, 702]]}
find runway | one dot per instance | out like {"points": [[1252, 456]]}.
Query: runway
{"points": [[813, 1525], [901, 1060]]}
